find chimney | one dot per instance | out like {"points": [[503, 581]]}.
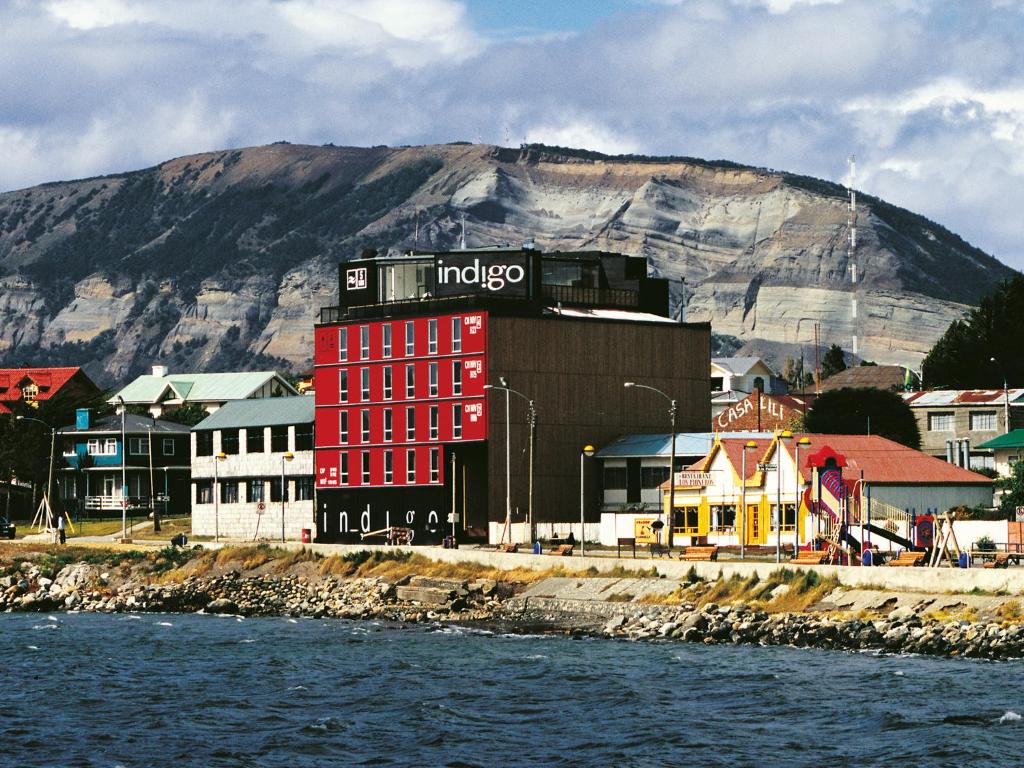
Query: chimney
{"points": [[82, 418], [160, 370]]}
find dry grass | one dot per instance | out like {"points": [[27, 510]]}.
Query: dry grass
{"points": [[1010, 610], [394, 566], [805, 590]]}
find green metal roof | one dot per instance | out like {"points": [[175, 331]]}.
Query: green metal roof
{"points": [[1012, 439], [198, 387], [261, 412]]}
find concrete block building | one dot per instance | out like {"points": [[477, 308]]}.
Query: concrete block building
{"points": [[240, 455]]}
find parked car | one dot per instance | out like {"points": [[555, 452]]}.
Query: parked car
{"points": [[7, 528]]}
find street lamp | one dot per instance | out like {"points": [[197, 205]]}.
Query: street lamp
{"points": [[587, 452], [508, 459], [49, 477], [216, 494], [750, 445], [287, 456], [784, 435], [804, 442], [531, 420], [672, 456], [124, 474], [1006, 400]]}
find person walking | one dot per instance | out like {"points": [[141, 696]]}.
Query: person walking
{"points": [[60, 530]]}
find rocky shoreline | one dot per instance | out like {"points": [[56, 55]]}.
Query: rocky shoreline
{"points": [[489, 603]]}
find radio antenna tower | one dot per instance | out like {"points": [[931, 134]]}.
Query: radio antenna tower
{"points": [[851, 224]]}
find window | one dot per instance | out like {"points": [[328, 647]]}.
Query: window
{"points": [[727, 518], [30, 392], [387, 425], [410, 339], [107, 447], [364, 342], [304, 437], [387, 382], [456, 377], [686, 518], [204, 443], [940, 422], [652, 477], [615, 478], [457, 421], [343, 385], [432, 336], [343, 344], [254, 440], [717, 383], [68, 448], [456, 334], [275, 490], [138, 446], [410, 423], [364, 425], [984, 461], [204, 491], [433, 422], [343, 427], [366, 468], [229, 441], [983, 421], [254, 491], [410, 466], [386, 339], [364, 384], [410, 381], [435, 465], [303, 488], [279, 439], [110, 446], [343, 468], [432, 368], [228, 491], [389, 467]]}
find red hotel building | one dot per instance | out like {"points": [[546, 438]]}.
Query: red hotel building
{"points": [[406, 432]]}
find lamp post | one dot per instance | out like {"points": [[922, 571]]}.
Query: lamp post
{"points": [[49, 476], [672, 455], [1006, 399], [803, 441], [508, 458], [286, 456], [747, 446], [531, 420], [124, 473], [588, 450], [216, 494], [785, 435]]}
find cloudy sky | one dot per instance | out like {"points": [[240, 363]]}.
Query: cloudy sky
{"points": [[929, 96]]}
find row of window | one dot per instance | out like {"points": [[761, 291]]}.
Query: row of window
{"points": [[978, 421], [722, 518], [387, 458], [386, 426], [387, 349], [616, 478], [230, 440], [107, 446], [387, 381], [255, 490]]}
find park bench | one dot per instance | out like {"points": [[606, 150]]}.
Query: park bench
{"points": [[508, 547], [659, 550], [810, 557], [699, 553], [907, 559], [563, 550], [1002, 560], [625, 541]]}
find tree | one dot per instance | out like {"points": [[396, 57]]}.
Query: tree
{"points": [[1013, 495], [962, 358], [188, 414], [795, 375], [851, 411], [833, 362]]}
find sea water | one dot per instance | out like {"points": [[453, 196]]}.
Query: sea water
{"points": [[168, 690]]}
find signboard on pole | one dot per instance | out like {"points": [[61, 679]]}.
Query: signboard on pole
{"points": [[261, 507], [765, 467], [1020, 514]]}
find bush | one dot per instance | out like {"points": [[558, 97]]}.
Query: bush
{"points": [[985, 544]]}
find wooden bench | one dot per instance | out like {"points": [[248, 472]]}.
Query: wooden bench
{"points": [[626, 541], [563, 550], [1001, 560], [660, 550], [907, 559], [699, 553], [508, 547], [810, 557]]}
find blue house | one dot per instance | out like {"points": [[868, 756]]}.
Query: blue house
{"points": [[98, 475]]}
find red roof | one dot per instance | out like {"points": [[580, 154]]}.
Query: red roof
{"points": [[48, 380]]}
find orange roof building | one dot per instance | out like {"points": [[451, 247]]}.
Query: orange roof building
{"points": [[33, 386]]}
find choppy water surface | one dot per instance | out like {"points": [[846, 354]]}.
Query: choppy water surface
{"points": [[95, 690]]}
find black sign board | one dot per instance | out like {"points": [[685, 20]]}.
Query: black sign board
{"points": [[358, 282], [493, 274]]}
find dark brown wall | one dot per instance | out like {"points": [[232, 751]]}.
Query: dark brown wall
{"points": [[574, 370]]}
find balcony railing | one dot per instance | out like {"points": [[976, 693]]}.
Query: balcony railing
{"points": [[115, 503]]}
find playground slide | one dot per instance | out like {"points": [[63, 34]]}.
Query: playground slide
{"points": [[852, 541], [885, 534]]}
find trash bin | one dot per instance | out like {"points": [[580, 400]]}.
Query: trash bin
{"points": [[306, 536], [965, 560], [536, 547], [867, 557]]}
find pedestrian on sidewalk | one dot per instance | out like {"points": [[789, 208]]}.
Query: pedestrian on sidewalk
{"points": [[60, 530]]}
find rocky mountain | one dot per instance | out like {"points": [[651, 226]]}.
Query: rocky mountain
{"points": [[222, 260]]}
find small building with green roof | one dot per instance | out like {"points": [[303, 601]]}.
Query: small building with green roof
{"points": [[1006, 449]]}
